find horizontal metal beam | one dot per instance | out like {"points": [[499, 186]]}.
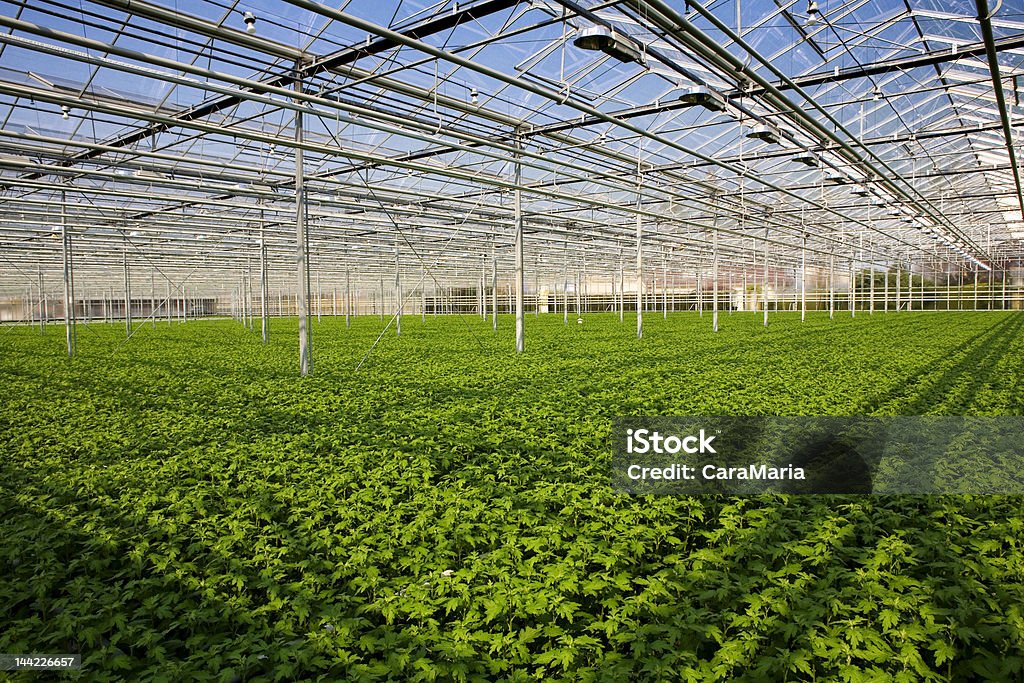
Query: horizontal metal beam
{"points": [[902, 64]]}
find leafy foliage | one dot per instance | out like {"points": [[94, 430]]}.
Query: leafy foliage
{"points": [[186, 508]]}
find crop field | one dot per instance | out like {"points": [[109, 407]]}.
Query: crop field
{"points": [[183, 507]]}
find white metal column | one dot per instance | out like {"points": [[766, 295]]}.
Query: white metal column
{"points": [[519, 283], [127, 295], [831, 285], [764, 288], [69, 318], [622, 291], [803, 278], [398, 289], [348, 297], [664, 287], [264, 323], [853, 291], [302, 248], [639, 269], [714, 276], [494, 289]]}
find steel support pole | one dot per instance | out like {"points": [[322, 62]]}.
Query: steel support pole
{"points": [[853, 291], [714, 277], [69, 319], [565, 285], [348, 298], [699, 290], [483, 286], [247, 301], [302, 248], [753, 275], [622, 291], [42, 301], [579, 286], [127, 295], [247, 296], [517, 195], [803, 278], [494, 289], [614, 300], [71, 269], [664, 288], [831, 286], [639, 268], [581, 275], [764, 288], [152, 298], [398, 289], [264, 291]]}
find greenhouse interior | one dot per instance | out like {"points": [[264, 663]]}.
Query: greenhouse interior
{"points": [[560, 340]]}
